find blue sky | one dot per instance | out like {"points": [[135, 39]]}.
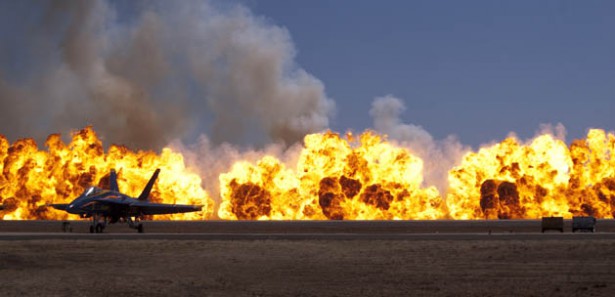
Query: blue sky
{"points": [[476, 69]]}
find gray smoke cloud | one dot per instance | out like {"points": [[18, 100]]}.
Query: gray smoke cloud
{"points": [[167, 71], [73, 82], [12, 102], [439, 156], [249, 76]]}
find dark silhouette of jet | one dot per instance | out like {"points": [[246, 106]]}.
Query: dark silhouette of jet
{"points": [[111, 206]]}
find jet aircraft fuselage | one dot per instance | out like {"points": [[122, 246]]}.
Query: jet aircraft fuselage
{"points": [[112, 206]]}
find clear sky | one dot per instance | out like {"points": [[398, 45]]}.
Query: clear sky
{"points": [[476, 69]]}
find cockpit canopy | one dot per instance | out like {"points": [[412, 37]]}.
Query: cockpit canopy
{"points": [[91, 191]]}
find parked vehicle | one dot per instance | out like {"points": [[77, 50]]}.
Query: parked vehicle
{"points": [[552, 223], [585, 224]]}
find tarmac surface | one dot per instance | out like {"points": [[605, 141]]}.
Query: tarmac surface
{"points": [[304, 230], [308, 258], [306, 236]]}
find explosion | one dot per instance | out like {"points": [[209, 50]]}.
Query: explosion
{"points": [[364, 178], [31, 178], [335, 178], [510, 180]]}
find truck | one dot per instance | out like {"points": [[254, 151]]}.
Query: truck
{"points": [[552, 223], [584, 224]]}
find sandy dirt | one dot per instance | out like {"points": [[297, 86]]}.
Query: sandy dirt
{"points": [[307, 268]]}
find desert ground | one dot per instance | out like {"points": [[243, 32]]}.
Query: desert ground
{"points": [[475, 264]]}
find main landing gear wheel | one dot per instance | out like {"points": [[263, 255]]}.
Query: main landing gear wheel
{"points": [[140, 228], [99, 228]]}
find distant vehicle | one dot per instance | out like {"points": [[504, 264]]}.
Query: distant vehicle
{"points": [[552, 223], [587, 224], [111, 206]]}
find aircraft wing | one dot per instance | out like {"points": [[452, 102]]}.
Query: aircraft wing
{"points": [[60, 206], [148, 208]]}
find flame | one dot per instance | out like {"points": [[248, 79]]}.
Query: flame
{"points": [[542, 178], [335, 177], [32, 178], [364, 178]]}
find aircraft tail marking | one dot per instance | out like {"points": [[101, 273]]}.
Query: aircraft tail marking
{"points": [[148, 188]]}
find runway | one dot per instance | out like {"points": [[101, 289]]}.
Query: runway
{"points": [[306, 236], [314, 258], [303, 230]]}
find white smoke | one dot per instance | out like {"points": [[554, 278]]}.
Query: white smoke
{"points": [[211, 160], [557, 130], [439, 156]]}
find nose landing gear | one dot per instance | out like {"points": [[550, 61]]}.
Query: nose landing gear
{"points": [[97, 226]]}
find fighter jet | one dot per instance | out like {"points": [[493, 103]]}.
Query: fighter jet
{"points": [[111, 206]]}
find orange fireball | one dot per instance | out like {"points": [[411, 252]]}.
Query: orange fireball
{"points": [[511, 180], [335, 177], [32, 178], [364, 178]]}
